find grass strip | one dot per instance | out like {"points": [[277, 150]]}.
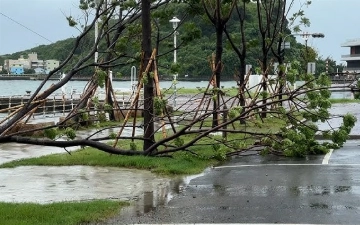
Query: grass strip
{"points": [[180, 163], [344, 100], [62, 213]]}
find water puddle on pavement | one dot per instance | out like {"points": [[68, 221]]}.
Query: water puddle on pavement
{"points": [[150, 200], [44, 184], [47, 184]]}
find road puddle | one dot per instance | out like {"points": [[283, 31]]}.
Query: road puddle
{"points": [[42, 184], [158, 197], [45, 184]]}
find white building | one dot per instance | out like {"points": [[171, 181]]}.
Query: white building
{"points": [[32, 62], [352, 59], [51, 65]]}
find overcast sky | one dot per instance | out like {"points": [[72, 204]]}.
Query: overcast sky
{"points": [[337, 19]]}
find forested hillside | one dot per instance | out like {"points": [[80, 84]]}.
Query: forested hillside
{"points": [[196, 44]]}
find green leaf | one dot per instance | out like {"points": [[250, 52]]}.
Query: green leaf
{"points": [[70, 133], [51, 133]]}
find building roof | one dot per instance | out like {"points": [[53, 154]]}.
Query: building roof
{"points": [[351, 42]]}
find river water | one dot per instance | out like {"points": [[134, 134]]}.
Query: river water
{"points": [[19, 87]]}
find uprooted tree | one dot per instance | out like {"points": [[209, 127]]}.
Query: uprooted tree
{"points": [[289, 128]]}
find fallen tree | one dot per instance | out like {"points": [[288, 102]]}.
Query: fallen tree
{"points": [[289, 128]]}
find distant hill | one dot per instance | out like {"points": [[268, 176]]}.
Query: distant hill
{"points": [[192, 58]]}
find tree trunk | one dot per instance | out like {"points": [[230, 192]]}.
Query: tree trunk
{"points": [[242, 86], [218, 67], [264, 83], [148, 86]]}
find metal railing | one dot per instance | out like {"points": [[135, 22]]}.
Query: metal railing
{"points": [[351, 69], [59, 104]]}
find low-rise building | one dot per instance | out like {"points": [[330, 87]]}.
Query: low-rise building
{"points": [[39, 71], [352, 59], [17, 70], [51, 65], [32, 62]]}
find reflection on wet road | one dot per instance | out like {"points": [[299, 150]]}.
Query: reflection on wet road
{"points": [[271, 190], [44, 184]]}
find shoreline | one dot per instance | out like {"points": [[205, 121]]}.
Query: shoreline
{"points": [[81, 78]]}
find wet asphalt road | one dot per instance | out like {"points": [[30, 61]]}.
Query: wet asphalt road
{"points": [[254, 189]]}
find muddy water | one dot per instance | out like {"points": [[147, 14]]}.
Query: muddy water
{"points": [[42, 184], [152, 199]]}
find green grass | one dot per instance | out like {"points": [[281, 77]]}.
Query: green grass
{"points": [[63, 213], [344, 100], [180, 163]]}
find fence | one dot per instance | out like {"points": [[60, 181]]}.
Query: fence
{"points": [[59, 104]]}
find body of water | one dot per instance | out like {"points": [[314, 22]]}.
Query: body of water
{"points": [[19, 87]]}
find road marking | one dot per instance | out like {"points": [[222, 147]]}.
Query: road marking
{"points": [[327, 157], [284, 164], [226, 224]]}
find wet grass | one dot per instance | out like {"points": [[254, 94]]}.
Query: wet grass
{"points": [[344, 100], [195, 160], [63, 213], [179, 163]]}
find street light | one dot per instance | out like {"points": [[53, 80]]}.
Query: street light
{"points": [[175, 22], [318, 35], [286, 45], [96, 55], [305, 36]]}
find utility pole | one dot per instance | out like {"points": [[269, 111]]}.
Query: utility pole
{"points": [[175, 22]]}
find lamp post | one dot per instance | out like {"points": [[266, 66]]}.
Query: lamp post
{"points": [[175, 22], [305, 36], [286, 45], [96, 55]]}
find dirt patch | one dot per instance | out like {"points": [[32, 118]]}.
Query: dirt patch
{"points": [[30, 129]]}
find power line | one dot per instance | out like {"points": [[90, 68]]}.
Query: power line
{"points": [[26, 27]]}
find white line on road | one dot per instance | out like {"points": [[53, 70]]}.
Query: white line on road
{"points": [[284, 164], [226, 224], [327, 157]]}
